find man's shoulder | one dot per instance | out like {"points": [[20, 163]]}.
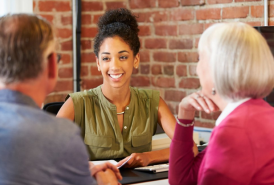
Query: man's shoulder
{"points": [[62, 126], [36, 122]]}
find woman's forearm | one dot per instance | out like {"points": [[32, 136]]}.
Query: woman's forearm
{"points": [[158, 156]]}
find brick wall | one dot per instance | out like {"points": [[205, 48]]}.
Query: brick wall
{"points": [[169, 35]]}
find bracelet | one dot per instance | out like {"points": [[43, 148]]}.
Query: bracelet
{"points": [[185, 125]]}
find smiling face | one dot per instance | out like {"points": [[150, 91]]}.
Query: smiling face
{"points": [[116, 62]]}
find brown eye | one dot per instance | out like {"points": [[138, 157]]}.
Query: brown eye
{"points": [[123, 57], [105, 59]]}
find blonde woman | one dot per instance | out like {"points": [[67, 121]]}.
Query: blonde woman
{"points": [[236, 70]]}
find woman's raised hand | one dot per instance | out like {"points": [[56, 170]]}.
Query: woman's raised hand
{"points": [[193, 102]]}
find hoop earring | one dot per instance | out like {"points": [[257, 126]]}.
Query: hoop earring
{"points": [[213, 91]]}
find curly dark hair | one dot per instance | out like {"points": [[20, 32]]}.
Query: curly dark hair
{"points": [[119, 22]]}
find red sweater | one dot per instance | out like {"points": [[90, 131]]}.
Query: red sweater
{"points": [[240, 150]]}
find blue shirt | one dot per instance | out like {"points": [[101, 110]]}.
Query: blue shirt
{"points": [[38, 148]]}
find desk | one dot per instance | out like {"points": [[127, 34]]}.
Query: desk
{"points": [[131, 176], [134, 177], [156, 182]]}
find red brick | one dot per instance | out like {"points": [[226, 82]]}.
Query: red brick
{"points": [[66, 19], [181, 44], [135, 71], [64, 85], [84, 71], [115, 5], [210, 13], [89, 32], [162, 56], [169, 70], [140, 81], [142, 16], [155, 43], [65, 72], [91, 83], [270, 23], [192, 2], [96, 18], [66, 46], [207, 25], [88, 58], [156, 16], [85, 44], [141, 43], [219, 1], [50, 18], [235, 12], [65, 59], [94, 71], [196, 42], [144, 56], [189, 83], [144, 69], [255, 23], [156, 69], [59, 6], [173, 95], [188, 57], [144, 31], [212, 116], [257, 11], [181, 70], [85, 19], [172, 107], [191, 29], [89, 6], [55, 98], [181, 14], [205, 124], [134, 4], [64, 33], [163, 82], [166, 30], [192, 70], [168, 3]]}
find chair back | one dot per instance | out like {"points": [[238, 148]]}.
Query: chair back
{"points": [[53, 107]]}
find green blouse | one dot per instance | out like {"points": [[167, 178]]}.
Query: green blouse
{"points": [[98, 121]]}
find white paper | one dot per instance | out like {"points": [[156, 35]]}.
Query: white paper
{"points": [[100, 162], [124, 162]]}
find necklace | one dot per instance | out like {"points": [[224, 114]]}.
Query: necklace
{"points": [[118, 113]]}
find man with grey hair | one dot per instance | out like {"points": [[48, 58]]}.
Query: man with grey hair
{"points": [[35, 147]]}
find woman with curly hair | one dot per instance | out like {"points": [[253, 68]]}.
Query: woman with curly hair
{"points": [[117, 120]]}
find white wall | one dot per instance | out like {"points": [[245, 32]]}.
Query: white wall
{"points": [[16, 6]]}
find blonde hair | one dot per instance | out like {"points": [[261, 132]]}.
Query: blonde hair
{"points": [[241, 62]]}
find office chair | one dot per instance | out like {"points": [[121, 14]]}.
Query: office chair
{"points": [[53, 107]]}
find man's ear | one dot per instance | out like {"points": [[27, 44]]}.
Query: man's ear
{"points": [[136, 61]]}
